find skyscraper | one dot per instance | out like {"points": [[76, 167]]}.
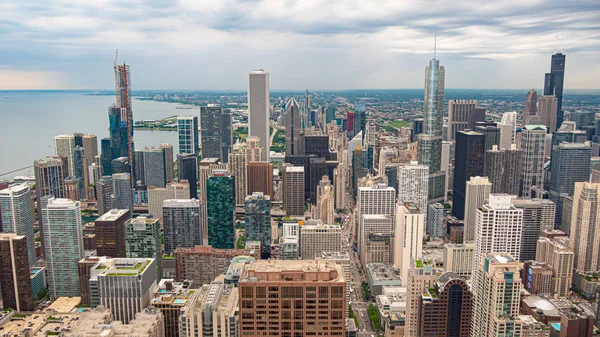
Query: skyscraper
{"points": [[138, 169], [155, 171], [156, 196], [375, 199], [413, 180], [293, 190], [187, 166], [90, 147], [16, 207], [220, 205], [258, 221], [181, 222], [210, 126], [548, 106], [316, 238], [570, 163], [254, 149], [292, 128], [503, 168], [530, 106], [538, 215], [143, 239], [120, 165], [533, 145], [325, 207], [430, 141], [80, 170], [422, 275], [104, 191], [491, 134], [584, 222], [169, 170], [115, 146], [123, 103], [226, 135], [50, 174], [258, 109], [262, 178], [187, 130], [237, 167], [477, 194], [497, 296], [559, 256], [508, 130], [408, 236], [468, 162], [64, 146], [14, 273], [110, 233], [553, 83], [63, 246], [462, 115], [122, 193]]}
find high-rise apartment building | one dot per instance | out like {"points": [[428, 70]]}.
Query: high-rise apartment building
{"points": [[50, 174], [258, 221], [104, 191], [530, 106], [259, 109], [124, 106], [553, 83], [226, 135], [110, 233], [14, 273], [468, 162], [413, 182], [181, 222], [90, 147], [508, 130], [237, 168], [262, 178], [122, 193], [292, 128], [293, 190], [498, 228], [155, 170], [156, 196], [408, 236], [446, 308], [316, 238], [556, 253], [143, 239], [220, 205], [64, 145], [477, 194], [292, 287], [538, 215], [187, 131], [533, 145], [169, 166], [254, 149], [187, 169], [585, 238], [459, 258], [491, 134], [570, 163], [422, 275], [497, 297], [462, 115], [503, 169], [548, 112], [17, 216], [378, 198], [63, 245], [435, 226], [430, 141], [138, 168], [210, 126]]}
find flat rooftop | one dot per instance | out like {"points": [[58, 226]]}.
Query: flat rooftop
{"points": [[294, 169], [64, 305], [112, 215], [293, 270]]}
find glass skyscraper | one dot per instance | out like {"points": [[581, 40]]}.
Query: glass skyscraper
{"points": [[16, 207], [258, 221], [187, 130], [220, 205], [210, 124], [553, 83]]}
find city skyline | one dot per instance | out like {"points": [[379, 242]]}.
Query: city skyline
{"points": [[194, 42]]}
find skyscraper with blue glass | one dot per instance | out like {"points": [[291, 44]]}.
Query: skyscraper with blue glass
{"points": [[220, 205], [258, 221], [187, 130]]}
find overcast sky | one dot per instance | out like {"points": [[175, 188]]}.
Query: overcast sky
{"points": [[314, 44]]}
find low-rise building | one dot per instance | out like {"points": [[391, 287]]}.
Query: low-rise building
{"points": [[459, 258], [380, 275]]}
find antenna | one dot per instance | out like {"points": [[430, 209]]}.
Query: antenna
{"points": [[116, 56], [434, 44]]}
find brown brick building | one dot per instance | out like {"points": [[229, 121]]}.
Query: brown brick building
{"points": [[14, 273], [260, 178], [110, 233]]}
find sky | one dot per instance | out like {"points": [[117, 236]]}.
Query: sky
{"points": [[309, 44]]}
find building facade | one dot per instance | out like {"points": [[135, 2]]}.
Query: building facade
{"points": [[187, 131], [110, 233], [17, 216], [210, 126], [220, 205], [14, 273], [258, 221], [182, 223], [408, 238], [259, 109]]}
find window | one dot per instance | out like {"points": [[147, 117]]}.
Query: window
{"points": [[323, 292], [261, 292], [337, 292], [247, 292]]}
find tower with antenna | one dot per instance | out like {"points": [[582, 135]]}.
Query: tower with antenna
{"points": [[123, 102]]}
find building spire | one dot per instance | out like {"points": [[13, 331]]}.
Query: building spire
{"points": [[434, 44]]}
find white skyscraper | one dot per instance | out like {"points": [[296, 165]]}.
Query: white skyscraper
{"points": [[508, 130], [408, 238], [64, 145], [532, 143], [377, 198], [413, 182], [258, 109], [316, 238], [16, 207], [63, 240], [477, 194], [585, 236], [498, 229]]}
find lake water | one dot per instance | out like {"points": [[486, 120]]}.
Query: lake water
{"points": [[29, 120]]}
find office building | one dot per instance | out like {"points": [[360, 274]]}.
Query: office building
{"points": [[258, 221], [262, 178], [422, 275], [138, 168], [491, 134], [181, 222], [143, 239], [408, 236], [379, 247], [187, 169], [537, 278], [220, 205], [413, 184], [90, 147], [226, 135], [125, 286], [376, 199], [458, 258], [446, 308], [462, 115], [289, 246], [84, 272], [155, 170], [210, 126], [430, 141], [122, 193], [297, 280], [325, 207], [530, 106], [584, 219], [533, 146], [538, 215], [498, 228], [237, 167], [115, 146], [570, 163], [201, 264], [187, 131], [556, 253], [72, 188], [254, 149], [63, 245], [64, 146], [508, 130], [50, 174], [477, 194], [170, 297], [503, 169], [104, 191], [110, 233], [316, 238], [360, 118], [548, 112], [17, 216], [567, 133], [339, 183], [205, 170], [292, 128], [435, 220], [120, 165], [156, 196], [497, 296], [14, 273], [80, 170], [468, 162], [169, 166], [553, 83], [293, 190], [259, 109]]}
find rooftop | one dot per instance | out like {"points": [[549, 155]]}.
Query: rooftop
{"points": [[15, 189], [64, 305], [122, 266], [294, 169], [293, 270], [382, 272], [112, 215]]}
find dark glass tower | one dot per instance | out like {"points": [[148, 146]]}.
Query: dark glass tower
{"points": [[258, 221], [553, 83], [292, 128], [220, 205], [210, 135], [187, 164], [226, 135], [468, 162]]}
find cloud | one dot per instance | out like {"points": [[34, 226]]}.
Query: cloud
{"points": [[328, 44]]}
